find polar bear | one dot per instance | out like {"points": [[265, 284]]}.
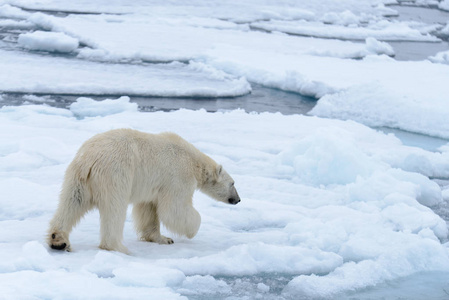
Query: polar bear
{"points": [[157, 173]]}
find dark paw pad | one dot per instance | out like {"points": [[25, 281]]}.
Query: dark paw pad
{"points": [[59, 247], [58, 241]]}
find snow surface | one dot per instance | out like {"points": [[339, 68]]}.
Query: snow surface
{"points": [[333, 205], [330, 207]]}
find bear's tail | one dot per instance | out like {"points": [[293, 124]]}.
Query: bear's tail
{"points": [[75, 191]]}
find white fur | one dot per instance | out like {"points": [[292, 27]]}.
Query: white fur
{"points": [[157, 173]]}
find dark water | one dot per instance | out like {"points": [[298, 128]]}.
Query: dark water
{"points": [[420, 50], [427, 15], [421, 286], [261, 286], [412, 139], [417, 50], [261, 99]]}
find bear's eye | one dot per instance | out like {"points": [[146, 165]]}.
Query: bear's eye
{"points": [[232, 183]]}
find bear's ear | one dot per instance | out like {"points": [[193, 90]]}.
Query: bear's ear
{"points": [[218, 171]]}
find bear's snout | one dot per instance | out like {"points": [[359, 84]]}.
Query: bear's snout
{"points": [[233, 200]]}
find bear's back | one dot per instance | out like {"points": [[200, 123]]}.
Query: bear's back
{"points": [[165, 152]]}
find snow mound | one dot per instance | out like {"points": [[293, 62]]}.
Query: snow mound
{"points": [[313, 163], [377, 47], [344, 18], [8, 11], [36, 257], [251, 259], [48, 41], [444, 5], [86, 107], [440, 57]]}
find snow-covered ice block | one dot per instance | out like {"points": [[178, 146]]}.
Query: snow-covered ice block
{"points": [[444, 5], [24, 72], [382, 30], [399, 96], [377, 47], [8, 11], [340, 18], [48, 41], [86, 107], [181, 39]]}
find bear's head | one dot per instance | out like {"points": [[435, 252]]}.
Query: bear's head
{"points": [[221, 187]]}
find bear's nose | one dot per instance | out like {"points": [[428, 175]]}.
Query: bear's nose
{"points": [[233, 201]]}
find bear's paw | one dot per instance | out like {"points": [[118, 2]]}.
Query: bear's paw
{"points": [[58, 241]]}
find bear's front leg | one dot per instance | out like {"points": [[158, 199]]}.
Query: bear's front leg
{"points": [[179, 216], [147, 223]]}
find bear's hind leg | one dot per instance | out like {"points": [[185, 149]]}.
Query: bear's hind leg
{"points": [[73, 204], [112, 218], [147, 224]]}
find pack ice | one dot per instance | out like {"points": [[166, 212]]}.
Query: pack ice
{"points": [[332, 208]]}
